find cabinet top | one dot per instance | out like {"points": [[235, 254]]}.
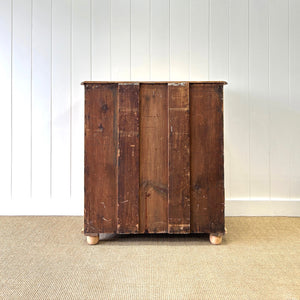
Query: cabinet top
{"points": [[154, 82]]}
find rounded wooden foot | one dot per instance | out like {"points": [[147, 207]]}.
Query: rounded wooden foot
{"points": [[92, 240], [215, 239]]}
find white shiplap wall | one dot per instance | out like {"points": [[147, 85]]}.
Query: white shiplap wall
{"points": [[49, 46]]}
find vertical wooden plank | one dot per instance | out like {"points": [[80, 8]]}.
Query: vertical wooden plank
{"points": [[61, 96], [207, 170], [259, 99], [153, 158], [21, 100], [100, 168], [179, 40], [101, 39], [5, 112], [128, 159], [295, 98], [179, 159], [41, 97], [238, 123], [159, 40], [80, 71], [199, 37], [120, 40], [280, 139], [140, 42]]}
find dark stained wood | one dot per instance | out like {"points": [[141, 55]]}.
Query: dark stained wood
{"points": [[207, 173], [128, 170], [179, 158], [101, 141], [154, 82], [154, 158]]}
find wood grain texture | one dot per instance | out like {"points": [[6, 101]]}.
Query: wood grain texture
{"points": [[154, 82], [179, 159], [207, 171], [101, 142], [128, 159], [153, 158]]}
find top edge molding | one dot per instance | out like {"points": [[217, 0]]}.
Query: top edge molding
{"points": [[153, 82], [128, 83]]}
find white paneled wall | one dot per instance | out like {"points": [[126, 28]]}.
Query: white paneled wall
{"points": [[49, 46], [61, 99], [259, 102]]}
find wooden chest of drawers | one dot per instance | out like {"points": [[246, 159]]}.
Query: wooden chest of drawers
{"points": [[154, 158]]}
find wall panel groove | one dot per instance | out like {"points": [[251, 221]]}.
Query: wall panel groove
{"points": [[21, 100], [61, 98], [6, 32], [41, 86], [80, 71]]}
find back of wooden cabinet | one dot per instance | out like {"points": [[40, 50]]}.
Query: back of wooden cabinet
{"points": [[154, 157]]}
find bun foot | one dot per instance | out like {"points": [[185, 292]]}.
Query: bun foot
{"points": [[92, 240], [215, 238]]}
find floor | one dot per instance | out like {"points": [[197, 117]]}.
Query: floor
{"points": [[48, 258]]}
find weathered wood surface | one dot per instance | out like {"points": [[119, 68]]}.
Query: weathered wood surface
{"points": [[101, 141], [207, 173], [128, 170], [179, 158], [153, 158], [155, 82]]}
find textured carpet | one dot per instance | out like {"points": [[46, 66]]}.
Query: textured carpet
{"points": [[48, 258]]}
